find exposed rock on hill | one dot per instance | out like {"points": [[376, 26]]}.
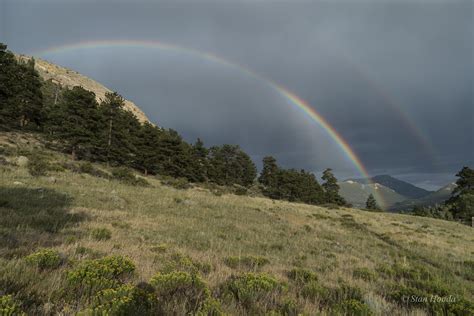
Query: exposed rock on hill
{"points": [[70, 78]]}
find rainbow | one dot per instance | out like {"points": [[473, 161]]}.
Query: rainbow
{"points": [[287, 94], [389, 101]]}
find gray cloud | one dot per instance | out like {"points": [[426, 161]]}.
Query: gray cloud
{"points": [[358, 63]]}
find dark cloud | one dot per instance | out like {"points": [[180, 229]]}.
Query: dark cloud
{"points": [[395, 78]]}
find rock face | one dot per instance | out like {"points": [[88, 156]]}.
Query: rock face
{"points": [[70, 78]]}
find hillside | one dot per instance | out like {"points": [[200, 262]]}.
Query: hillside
{"points": [[433, 198], [357, 193], [408, 190], [70, 78], [215, 251]]}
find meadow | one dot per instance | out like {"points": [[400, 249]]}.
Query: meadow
{"points": [[78, 241]]}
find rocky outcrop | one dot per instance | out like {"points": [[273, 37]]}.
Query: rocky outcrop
{"points": [[70, 78]]}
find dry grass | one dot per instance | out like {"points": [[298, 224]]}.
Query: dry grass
{"points": [[152, 224]]}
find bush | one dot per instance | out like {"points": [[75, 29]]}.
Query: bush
{"points": [[38, 166], [177, 183], [210, 307], [289, 308], [125, 175], [101, 234], [45, 259], [251, 290], [124, 300], [314, 291], [94, 275], [179, 288], [353, 307], [8, 306], [364, 274], [246, 262], [302, 276], [88, 168], [185, 263], [239, 190]]}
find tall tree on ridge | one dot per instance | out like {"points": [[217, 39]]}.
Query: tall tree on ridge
{"points": [[331, 188]]}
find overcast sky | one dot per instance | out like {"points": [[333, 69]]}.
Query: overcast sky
{"points": [[394, 77]]}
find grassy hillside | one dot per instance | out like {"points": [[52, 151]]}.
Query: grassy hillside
{"points": [[202, 252], [357, 193]]}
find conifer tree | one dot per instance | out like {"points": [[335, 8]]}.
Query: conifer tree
{"points": [[76, 123], [200, 162], [331, 188], [228, 165], [371, 203], [20, 91], [462, 199], [269, 174], [147, 149], [111, 108]]}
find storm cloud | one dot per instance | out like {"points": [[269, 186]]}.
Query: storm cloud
{"points": [[394, 78]]}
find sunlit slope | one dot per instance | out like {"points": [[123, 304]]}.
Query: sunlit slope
{"points": [[152, 225]]}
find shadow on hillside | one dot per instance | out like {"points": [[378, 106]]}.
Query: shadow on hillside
{"points": [[32, 218]]}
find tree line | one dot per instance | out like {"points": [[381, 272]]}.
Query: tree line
{"points": [[460, 206], [76, 123]]}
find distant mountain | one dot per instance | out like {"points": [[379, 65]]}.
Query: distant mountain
{"points": [[357, 193], [408, 190], [433, 198]]}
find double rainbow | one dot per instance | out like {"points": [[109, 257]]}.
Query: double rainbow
{"points": [[291, 97]]}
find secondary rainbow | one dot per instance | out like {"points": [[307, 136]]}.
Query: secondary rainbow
{"points": [[290, 96]]}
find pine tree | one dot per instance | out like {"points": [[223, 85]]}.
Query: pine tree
{"points": [[76, 123], [331, 188], [200, 163], [147, 149], [371, 203], [462, 199], [229, 165], [21, 99], [269, 174], [111, 108]]}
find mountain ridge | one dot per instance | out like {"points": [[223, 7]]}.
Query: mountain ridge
{"points": [[403, 188]]}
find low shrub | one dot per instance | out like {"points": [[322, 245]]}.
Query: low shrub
{"points": [[210, 307], [122, 225], [101, 234], [87, 252], [289, 308], [161, 248], [38, 166], [177, 183], [246, 262], [364, 274], [180, 262], [88, 168], [353, 307], [253, 291], [239, 190], [302, 276], [314, 291], [331, 206], [9, 307], [124, 300], [126, 176], [94, 275], [45, 259], [345, 292], [179, 289]]}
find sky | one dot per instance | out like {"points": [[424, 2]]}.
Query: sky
{"points": [[393, 78]]}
